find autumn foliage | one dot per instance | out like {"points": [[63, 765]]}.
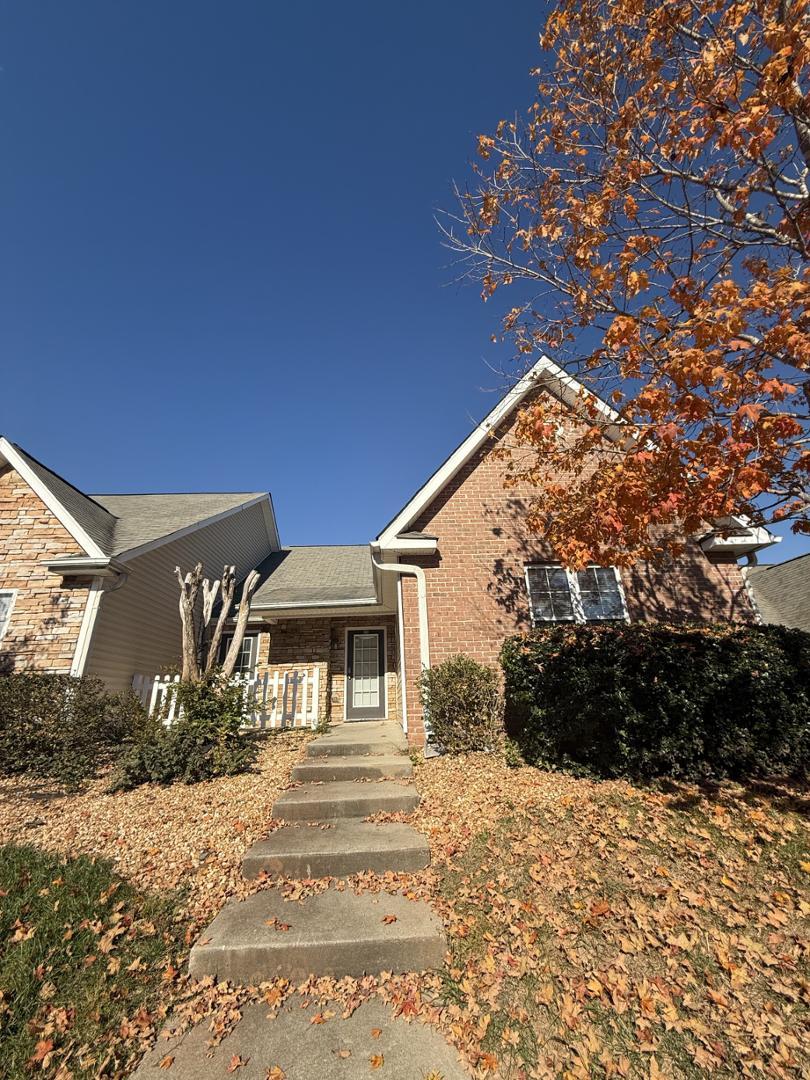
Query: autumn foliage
{"points": [[652, 209]]}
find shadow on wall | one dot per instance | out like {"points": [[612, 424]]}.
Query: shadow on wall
{"points": [[687, 589], [20, 652]]}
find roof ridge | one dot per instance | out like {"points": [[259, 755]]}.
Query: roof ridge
{"points": [[141, 494], [785, 562], [289, 547]]}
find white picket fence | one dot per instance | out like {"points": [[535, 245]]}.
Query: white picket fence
{"points": [[277, 699]]}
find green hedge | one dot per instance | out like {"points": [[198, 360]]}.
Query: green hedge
{"points": [[61, 727], [644, 699], [205, 740]]}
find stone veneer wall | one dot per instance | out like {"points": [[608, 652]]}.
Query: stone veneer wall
{"points": [[47, 615], [296, 643]]}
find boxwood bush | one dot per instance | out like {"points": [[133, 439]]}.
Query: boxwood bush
{"points": [[61, 727], [463, 702], [645, 700]]}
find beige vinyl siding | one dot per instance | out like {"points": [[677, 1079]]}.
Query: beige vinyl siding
{"points": [[137, 630]]}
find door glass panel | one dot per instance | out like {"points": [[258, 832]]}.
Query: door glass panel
{"points": [[365, 671]]}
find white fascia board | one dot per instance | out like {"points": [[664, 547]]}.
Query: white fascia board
{"points": [[404, 546], [91, 608], [364, 608], [82, 538], [543, 373], [741, 544], [747, 539], [132, 553], [271, 524], [363, 601]]}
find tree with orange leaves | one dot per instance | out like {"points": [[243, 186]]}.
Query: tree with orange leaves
{"points": [[654, 205]]}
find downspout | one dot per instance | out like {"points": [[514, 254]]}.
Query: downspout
{"points": [[421, 601], [421, 606]]}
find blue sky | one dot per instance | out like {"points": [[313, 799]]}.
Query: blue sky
{"points": [[219, 267]]}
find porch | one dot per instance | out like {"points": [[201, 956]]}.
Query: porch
{"points": [[299, 671]]}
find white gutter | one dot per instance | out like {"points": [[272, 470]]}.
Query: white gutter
{"points": [[421, 601]]}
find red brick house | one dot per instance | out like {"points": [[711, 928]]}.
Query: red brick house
{"points": [[86, 582]]}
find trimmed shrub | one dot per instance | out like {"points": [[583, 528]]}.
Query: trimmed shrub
{"points": [[463, 703], [645, 700], [62, 727], [206, 740]]}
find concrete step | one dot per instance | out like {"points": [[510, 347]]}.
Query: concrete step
{"points": [[332, 933], [344, 799], [349, 846], [355, 738], [341, 1048], [371, 767]]}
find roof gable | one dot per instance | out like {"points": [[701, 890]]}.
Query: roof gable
{"points": [[90, 525], [120, 526], [543, 374], [142, 520]]}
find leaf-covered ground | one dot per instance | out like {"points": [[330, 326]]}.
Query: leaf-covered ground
{"points": [[595, 929], [601, 930]]}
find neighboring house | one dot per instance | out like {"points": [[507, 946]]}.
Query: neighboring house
{"points": [[86, 581], [87, 585], [781, 591]]}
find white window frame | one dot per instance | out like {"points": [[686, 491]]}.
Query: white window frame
{"points": [[13, 594], [254, 651], [576, 598]]}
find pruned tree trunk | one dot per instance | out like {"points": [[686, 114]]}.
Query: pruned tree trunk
{"points": [[189, 587], [210, 590], [228, 589], [248, 588]]}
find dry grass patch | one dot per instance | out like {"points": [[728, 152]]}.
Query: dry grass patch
{"points": [[162, 838]]}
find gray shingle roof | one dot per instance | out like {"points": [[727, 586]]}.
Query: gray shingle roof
{"points": [[782, 591], [139, 519], [96, 521], [315, 576], [118, 523]]}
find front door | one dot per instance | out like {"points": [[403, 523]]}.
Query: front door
{"points": [[365, 675]]}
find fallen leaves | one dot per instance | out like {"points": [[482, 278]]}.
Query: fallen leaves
{"points": [[376, 1061], [236, 1062]]}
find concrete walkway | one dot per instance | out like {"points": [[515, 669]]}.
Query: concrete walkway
{"points": [[355, 770]]}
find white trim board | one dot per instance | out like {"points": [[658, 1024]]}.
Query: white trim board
{"points": [[544, 373], [65, 519], [13, 594], [91, 608]]}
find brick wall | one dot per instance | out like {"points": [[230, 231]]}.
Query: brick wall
{"points": [[48, 611], [296, 643], [476, 591]]}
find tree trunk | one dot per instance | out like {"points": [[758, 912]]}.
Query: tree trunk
{"points": [[189, 586], [248, 588], [228, 589]]}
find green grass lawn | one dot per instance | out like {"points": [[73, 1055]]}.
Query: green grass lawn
{"points": [[82, 957]]}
